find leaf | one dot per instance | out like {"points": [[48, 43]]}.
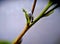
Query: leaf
{"points": [[49, 13], [27, 16]]}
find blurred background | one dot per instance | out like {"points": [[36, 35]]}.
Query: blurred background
{"points": [[12, 22]]}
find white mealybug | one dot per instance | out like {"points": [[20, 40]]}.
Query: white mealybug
{"points": [[30, 16]]}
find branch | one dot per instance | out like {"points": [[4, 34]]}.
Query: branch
{"points": [[42, 13], [29, 26], [33, 7]]}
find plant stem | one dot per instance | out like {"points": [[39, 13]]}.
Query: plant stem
{"points": [[28, 26], [42, 13], [21, 34], [33, 7]]}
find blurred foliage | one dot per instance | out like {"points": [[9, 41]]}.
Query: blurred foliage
{"points": [[5, 42]]}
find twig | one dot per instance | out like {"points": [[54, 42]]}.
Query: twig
{"points": [[28, 26], [21, 34], [42, 12], [33, 7]]}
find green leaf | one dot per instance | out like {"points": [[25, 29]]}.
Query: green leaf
{"points": [[49, 13], [27, 16]]}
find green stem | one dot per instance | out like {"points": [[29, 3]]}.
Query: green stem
{"points": [[42, 13], [51, 10]]}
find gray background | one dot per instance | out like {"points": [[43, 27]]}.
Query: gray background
{"points": [[12, 21]]}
